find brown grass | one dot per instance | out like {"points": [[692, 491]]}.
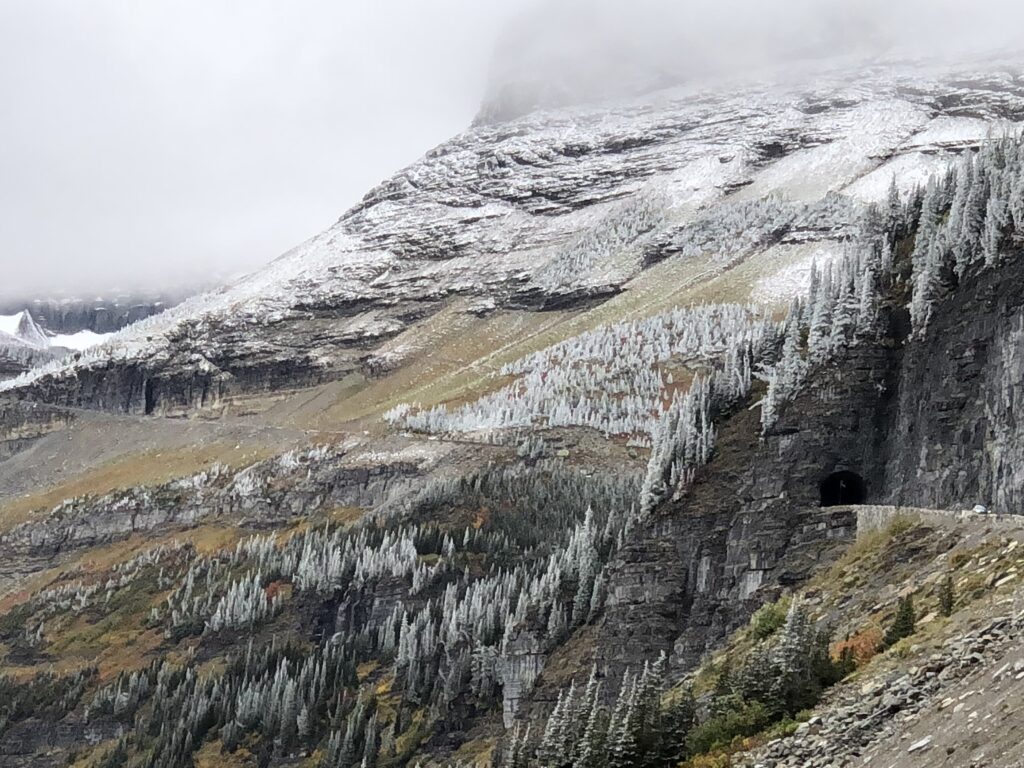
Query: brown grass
{"points": [[211, 756], [151, 468], [455, 357]]}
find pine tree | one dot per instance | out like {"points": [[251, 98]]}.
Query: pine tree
{"points": [[677, 719], [757, 675], [724, 682], [591, 752], [946, 596], [793, 656], [552, 745], [512, 751], [893, 218], [821, 320], [903, 623], [622, 746]]}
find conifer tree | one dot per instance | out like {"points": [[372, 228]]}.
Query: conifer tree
{"points": [[946, 596], [903, 623]]}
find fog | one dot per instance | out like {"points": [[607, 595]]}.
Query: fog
{"points": [[147, 144], [150, 143]]}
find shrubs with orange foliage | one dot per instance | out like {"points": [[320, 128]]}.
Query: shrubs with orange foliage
{"points": [[862, 645]]}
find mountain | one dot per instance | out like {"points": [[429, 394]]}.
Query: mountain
{"points": [[25, 344], [675, 429], [553, 211], [68, 314]]}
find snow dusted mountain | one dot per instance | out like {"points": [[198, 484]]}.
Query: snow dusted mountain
{"points": [[558, 210], [24, 343]]}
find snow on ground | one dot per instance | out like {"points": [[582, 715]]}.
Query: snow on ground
{"points": [[703, 181], [82, 340], [9, 323], [794, 277], [956, 132], [867, 132], [927, 153], [910, 171], [79, 341], [498, 204]]}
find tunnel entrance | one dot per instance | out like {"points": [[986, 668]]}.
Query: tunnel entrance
{"points": [[841, 488]]}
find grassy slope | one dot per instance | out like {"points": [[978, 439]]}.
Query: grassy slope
{"points": [[857, 597]]}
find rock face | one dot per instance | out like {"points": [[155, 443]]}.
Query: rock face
{"points": [[23, 423], [957, 438], [749, 526], [262, 496], [860, 716], [550, 210], [518, 670], [924, 421]]}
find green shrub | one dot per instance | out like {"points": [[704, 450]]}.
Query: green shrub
{"points": [[899, 525], [903, 623], [946, 597], [746, 719], [768, 618]]}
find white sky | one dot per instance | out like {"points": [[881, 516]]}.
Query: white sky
{"points": [[147, 141]]}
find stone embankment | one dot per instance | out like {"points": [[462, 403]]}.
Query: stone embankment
{"points": [[877, 517]]}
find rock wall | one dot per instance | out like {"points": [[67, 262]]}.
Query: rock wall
{"points": [[928, 421], [750, 525], [21, 424], [265, 495], [97, 315], [876, 517], [957, 438]]}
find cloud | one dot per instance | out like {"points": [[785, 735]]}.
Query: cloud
{"points": [[167, 141], [566, 51]]}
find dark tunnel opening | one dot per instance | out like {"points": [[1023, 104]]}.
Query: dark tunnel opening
{"points": [[841, 488]]}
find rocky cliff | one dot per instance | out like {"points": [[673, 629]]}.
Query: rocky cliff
{"points": [[919, 420], [102, 315]]}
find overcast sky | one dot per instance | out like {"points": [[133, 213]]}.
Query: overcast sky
{"points": [[151, 140], [145, 142]]}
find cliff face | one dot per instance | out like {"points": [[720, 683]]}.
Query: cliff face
{"points": [[97, 315], [956, 438], [751, 524], [23, 423], [928, 421]]}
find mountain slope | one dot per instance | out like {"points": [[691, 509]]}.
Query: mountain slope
{"points": [[567, 400], [554, 210]]}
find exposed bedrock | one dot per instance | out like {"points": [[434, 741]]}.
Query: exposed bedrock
{"points": [[929, 421], [750, 526], [21, 424], [957, 437], [266, 495]]}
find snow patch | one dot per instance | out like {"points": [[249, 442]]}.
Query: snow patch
{"points": [[793, 279], [79, 341]]}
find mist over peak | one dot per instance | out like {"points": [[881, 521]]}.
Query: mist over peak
{"points": [[563, 52]]}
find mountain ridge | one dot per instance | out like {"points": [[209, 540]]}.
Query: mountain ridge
{"points": [[488, 213]]}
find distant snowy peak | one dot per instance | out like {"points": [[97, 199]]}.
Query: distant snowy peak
{"points": [[30, 332], [22, 329]]}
